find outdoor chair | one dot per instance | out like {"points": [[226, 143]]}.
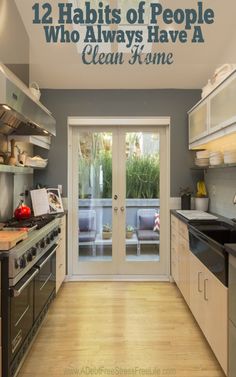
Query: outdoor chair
{"points": [[145, 228]]}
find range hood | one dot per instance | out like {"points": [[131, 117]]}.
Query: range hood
{"points": [[20, 112]]}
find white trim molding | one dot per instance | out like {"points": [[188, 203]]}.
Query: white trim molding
{"points": [[119, 121], [137, 273]]}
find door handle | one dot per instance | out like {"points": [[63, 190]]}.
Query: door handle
{"points": [[198, 282], [122, 209], [205, 290]]}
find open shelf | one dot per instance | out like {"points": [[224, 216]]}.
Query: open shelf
{"points": [[15, 169], [214, 166]]}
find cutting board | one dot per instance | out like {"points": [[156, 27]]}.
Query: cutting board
{"points": [[9, 238], [196, 215]]}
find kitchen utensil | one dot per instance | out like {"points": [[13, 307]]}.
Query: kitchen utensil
{"points": [[22, 211], [12, 159], [22, 158], [9, 238]]}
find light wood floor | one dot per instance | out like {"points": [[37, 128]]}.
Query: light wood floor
{"points": [[121, 325]]}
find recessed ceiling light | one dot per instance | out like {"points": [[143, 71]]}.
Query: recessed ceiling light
{"points": [[6, 107]]}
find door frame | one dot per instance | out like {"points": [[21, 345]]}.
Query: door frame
{"points": [[72, 189]]}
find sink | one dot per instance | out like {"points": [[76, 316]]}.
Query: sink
{"points": [[219, 231]]}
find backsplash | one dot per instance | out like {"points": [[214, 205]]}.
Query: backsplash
{"points": [[221, 185]]}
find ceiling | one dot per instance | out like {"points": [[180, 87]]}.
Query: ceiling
{"points": [[60, 65]]}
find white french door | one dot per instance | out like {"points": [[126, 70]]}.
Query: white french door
{"points": [[119, 177]]}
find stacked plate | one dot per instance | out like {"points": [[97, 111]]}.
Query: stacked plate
{"points": [[216, 158], [202, 158], [230, 157]]}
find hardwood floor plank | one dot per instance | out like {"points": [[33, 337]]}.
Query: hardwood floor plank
{"points": [[120, 325]]}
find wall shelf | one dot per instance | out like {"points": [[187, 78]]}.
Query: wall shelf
{"points": [[15, 169], [222, 166]]}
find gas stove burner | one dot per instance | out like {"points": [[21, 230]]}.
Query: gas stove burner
{"points": [[29, 224]]}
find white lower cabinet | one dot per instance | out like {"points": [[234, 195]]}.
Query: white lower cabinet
{"points": [[180, 256], [209, 305], [206, 296], [61, 255]]}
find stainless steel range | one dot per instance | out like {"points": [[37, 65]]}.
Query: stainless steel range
{"points": [[28, 290], [26, 254]]}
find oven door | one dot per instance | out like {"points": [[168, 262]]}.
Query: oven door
{"points": [[21, 311], [45, 282]]}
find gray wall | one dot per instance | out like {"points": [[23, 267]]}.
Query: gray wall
{"points": [[221, 185], [14, 41], [173, 103]]}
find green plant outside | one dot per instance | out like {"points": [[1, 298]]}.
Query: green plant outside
{"points": [[142, 177]]}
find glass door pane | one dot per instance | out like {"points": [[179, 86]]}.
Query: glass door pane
{"points": [[95, 196], [142, 196]]}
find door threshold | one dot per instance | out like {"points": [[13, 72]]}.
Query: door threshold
{"points": [[161, 278]]}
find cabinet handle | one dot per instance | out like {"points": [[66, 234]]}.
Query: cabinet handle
{"points": [[205, 290], [198, 282]]}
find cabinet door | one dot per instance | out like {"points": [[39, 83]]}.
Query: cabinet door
{"points": [[222, 106], [61, 256], [198, 122], [174, 255], [216, 316], [183, 268], [197, 303]]}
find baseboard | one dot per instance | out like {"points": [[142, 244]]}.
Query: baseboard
{"points": [[140, 278]]}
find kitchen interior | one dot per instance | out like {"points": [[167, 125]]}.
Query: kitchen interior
{"points": [[38, 288]]}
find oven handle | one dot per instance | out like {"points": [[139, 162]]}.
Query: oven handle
{"points": [[39, 266], [16, 292]]}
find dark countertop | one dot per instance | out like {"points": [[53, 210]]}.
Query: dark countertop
{"points": [[229, 248], [192, 222]]}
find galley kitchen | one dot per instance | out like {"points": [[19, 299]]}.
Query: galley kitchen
{"points": [[117, 188]]}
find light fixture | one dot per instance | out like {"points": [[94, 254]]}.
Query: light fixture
{"points": [[6, 107], [46, 132]]}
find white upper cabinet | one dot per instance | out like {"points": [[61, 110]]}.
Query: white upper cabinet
{"points": [[214, 116], [223, 106], [198, 122]]}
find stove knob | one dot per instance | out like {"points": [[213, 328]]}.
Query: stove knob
{"points": [[52, 237], [48, 241], [42, 244], [59, 230], [22, 262], [29, 257], [34, 251], [16, 264], [55, 233]]}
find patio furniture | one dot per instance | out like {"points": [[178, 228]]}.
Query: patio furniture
{"points": [[87, 229], [145, 225]]}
